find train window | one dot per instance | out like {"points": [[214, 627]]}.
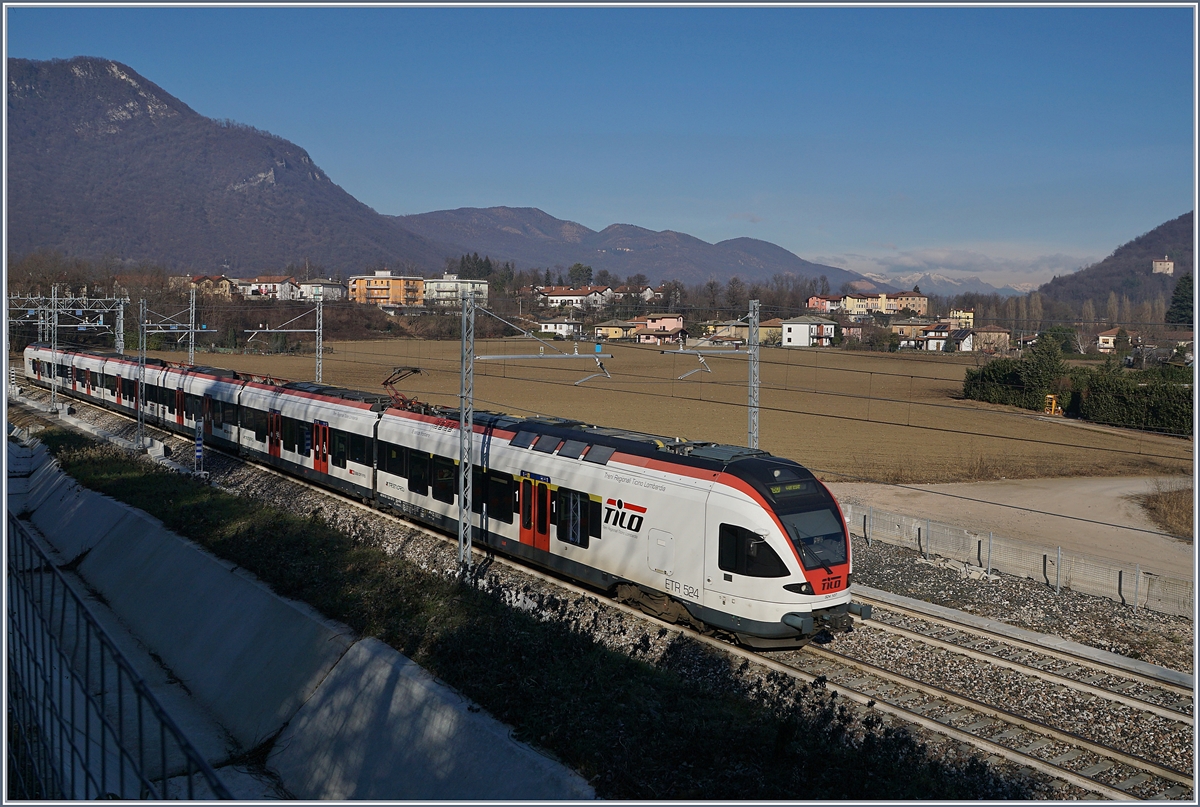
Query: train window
{"points": [[599, 454], [523, 439], [574, 512], [191, 406], [360, 449], [743, 552], [445, 479], [217, 413], [80, 375], [303, 438], [572, 449], [128, 388], [170, 396], [418, 472], [228, 413], [110, 384], [64, 371], [478, 488], [393, 459], [526, 504], [500, 497], [255, 420], [817, 535], [543, 509], [341, 446], [287, 434], [547, 443]]}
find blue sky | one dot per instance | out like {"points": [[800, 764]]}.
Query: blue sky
{"points": [[1014, 143]]}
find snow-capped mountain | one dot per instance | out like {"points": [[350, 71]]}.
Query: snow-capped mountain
{"points": [[945, 286]]}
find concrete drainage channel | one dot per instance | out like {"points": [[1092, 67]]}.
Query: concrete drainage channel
{"points": [[239, 666]]}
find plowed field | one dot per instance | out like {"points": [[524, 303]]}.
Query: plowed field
{"points": [[870, 416]]}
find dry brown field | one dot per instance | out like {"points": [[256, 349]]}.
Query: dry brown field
{"points": [[845, 414]]}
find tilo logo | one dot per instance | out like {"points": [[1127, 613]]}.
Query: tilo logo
{"points": [[624, 515]]}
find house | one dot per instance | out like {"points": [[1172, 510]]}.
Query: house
{"points": [[566, 327], [657, 336], [962, 317], [615, 329], [384, 288], [446, 291], [1106, 341], [934, 336], [1166, 266], [733, 329], [584, 297], [914, 301], [269, 287], [852, 332], [770, 332], [991, 339], [659, 322], [208, 285], [629, 292], [909, 331], [327, 290], [808, 331], [963, 339], [825, 303]]}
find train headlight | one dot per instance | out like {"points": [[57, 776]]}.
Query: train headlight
{"points": [[799, 588]]}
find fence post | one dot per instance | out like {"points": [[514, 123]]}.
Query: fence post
{"points": [[920, 547], [1058, 572], [1137, 583], [870, 523], [928, 537], [866, 534], [989, 566]]}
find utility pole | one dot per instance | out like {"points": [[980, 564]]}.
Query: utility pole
{"points": [[752, 344], [320, 329], [466, 427], [192, 330], [120, 341], [54, 347], [141, 417]]}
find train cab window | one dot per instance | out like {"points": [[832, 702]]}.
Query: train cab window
{"points": [[571, 449], [341, 446], [523, 440], [547, 443], [574, 517], [418, 472], [743, 552], [360, 449], [445, 479], [393, 459]]}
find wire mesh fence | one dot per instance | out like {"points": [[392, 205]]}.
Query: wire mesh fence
{"points": [[82, 723], [1128, 584]]}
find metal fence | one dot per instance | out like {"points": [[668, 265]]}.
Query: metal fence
{"points": [[1129, 584], [82, 723]]}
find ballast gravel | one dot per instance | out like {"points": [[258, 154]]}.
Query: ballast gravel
{"points": [[1155, 638]]}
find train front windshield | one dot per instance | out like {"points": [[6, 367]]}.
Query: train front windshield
{"points": [[810, 516]]}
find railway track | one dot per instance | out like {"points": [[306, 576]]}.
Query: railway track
{"points": [[1083, 764]]}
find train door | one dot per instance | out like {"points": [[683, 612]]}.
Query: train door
{"points": [[88, 381], [120, 389], [535, 513], [37, 368], [320, 447], [206, 413], [179, 399], [274, 433]]}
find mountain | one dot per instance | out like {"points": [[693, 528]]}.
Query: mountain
{"points": [[103, 162], [1128, 270], [944, 286], [531, 238]]}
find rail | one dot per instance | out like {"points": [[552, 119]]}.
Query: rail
{"points": [[82, 723]]}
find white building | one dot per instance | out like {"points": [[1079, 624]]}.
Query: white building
{"points": [[269, 287], [328, 290], [808, 331], [584, 297], [446, 291], [561, 326]]}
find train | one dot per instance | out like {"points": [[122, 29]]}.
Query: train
{"points": [[724, 538]]}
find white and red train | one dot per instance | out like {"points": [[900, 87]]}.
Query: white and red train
{"points": [[731, 537]]}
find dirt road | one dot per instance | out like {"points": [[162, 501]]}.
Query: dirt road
{"points": [[1070, 509]]}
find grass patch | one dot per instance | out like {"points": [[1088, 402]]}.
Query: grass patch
{"points": [[689, 728], [1170, 508]]}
